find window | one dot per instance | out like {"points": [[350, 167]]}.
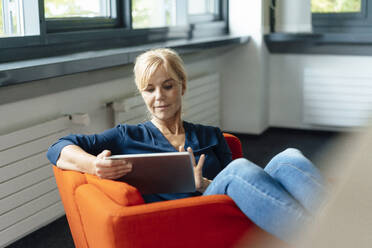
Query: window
{"points": [[342, 16], [72, 15], [15, 21], [330, 6], [207, 10], [156, 13], [161, 13], [79, 8], [42, 28]]}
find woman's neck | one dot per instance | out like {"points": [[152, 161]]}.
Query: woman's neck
{"points": [[169, 127]]}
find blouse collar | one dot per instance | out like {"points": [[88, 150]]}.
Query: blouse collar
{"points": [[191, 139]]}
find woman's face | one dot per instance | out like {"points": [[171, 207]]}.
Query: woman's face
{"points": [[163, 96]]}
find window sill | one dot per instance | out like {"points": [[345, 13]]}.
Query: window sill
{"points": [[313, 43], [29, 70]]}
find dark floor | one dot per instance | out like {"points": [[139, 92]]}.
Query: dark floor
{"points": [[257, 148], [261, 148]]}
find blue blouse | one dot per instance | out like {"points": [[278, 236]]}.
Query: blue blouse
{"points": [[147, 138]]}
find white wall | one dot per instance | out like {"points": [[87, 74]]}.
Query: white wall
{"points": [[243, 72]]}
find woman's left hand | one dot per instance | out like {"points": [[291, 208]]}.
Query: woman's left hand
{"points": [[198, 169]]}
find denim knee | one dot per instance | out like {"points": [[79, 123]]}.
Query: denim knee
{"points": [[289, 155], [236, 165], [291, 152], [245, 169]]}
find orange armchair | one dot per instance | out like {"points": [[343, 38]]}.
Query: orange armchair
{"points": [[106, 213]]}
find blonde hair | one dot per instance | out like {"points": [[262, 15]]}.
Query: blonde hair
{"points": [[148, 62]]}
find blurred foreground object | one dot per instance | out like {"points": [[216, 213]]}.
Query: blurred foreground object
{"points": [[346, 219]]}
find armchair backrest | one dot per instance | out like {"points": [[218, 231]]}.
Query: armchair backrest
{"points": [[234, 144]]}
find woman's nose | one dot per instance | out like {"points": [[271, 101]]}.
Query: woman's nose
{"points": [[159, 93]]}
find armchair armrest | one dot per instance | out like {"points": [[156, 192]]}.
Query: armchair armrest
{"points": [[210, 221], [120, 192]]}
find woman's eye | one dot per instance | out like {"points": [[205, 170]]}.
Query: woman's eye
{"points": [[149, 90], [168, 87]]}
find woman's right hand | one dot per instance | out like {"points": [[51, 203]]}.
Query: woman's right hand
{"points": [[110, 169]]}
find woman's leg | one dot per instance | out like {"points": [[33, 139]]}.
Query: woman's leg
{"points": [[299, 177], [260, 197]]}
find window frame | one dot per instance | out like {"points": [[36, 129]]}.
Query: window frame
{"points": [[59, 41], [344, 22], [57, 25]]}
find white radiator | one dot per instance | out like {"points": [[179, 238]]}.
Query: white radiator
{"points": [[340, 99], [201, 104], [29, 197], [202, 100], [130, 110]]}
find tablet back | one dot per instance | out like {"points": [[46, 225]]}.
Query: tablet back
{"points": [[160, 172]]}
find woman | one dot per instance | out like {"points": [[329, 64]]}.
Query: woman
{"points": [[279, 198]]}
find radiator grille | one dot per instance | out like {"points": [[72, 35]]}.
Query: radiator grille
{"points": [[29, 197], [337, 98]]}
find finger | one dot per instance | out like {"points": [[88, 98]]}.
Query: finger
{"points": [[104, 153], [129, 166], [108, 163], [112, 173], [189, 149], [201, 162], [107, 166], [119, 163], [181, 149], [115, 175]]}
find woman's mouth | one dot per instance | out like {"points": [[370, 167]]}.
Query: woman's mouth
{"points": [[162, 107]]}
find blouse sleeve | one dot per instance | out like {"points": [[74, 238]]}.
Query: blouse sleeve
{"points": [[93, 144], [223, 151]]}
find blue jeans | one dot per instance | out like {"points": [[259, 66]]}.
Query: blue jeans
{"points": [[280, 198]]}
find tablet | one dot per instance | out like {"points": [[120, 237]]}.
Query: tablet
{"points": [[169, 172]]}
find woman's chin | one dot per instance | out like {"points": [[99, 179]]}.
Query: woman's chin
{"points": [[165, 117]]}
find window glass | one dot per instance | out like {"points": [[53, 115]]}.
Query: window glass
{"points": [[153, 13], [202, 7], [11, 18], [77, 8], [336, 6], [1, 19]]}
